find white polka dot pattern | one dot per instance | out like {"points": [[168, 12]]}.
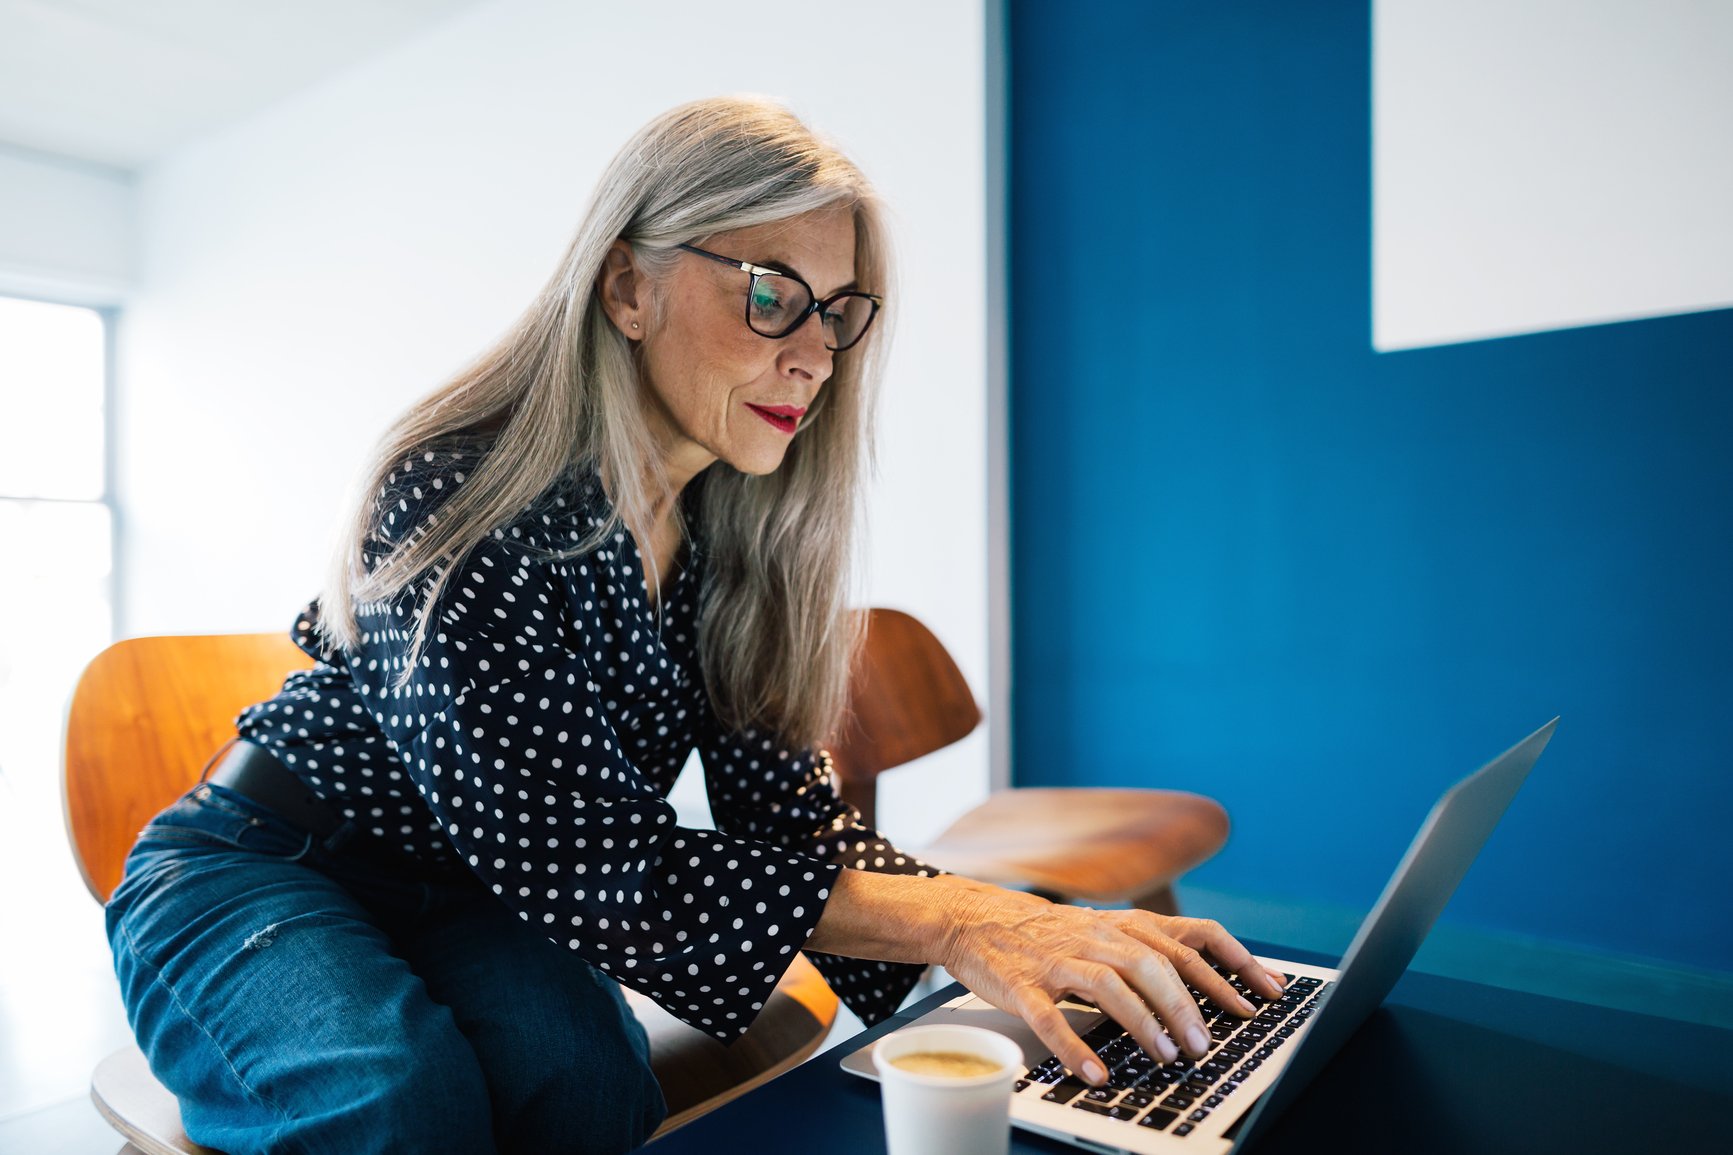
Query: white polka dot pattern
{"points": [[535, 743]]}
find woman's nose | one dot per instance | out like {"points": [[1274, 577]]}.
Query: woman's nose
{"points": [[804, 350]]}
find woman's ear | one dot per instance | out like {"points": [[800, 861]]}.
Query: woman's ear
{"points": [[621, 287]]}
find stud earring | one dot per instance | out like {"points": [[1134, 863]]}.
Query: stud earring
{"points": [[634, 324]]}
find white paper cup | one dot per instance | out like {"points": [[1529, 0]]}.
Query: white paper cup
{"points": [[940, 1114]]}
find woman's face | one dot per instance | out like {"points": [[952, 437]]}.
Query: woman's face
{"points": [[716, 389]]}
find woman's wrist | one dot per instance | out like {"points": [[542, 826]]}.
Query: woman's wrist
{"points": [[893, 917], [965, 908]]}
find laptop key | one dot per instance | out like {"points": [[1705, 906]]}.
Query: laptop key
{"points": [[1122, 1078], [1185, 1129], [1019, 1085], [1179, 1101], [1158, 1119], [1065, 1090], [1101, 1094], [1137, 1099], [1199, 1115], [1103, 1109], [1214, 1100]]}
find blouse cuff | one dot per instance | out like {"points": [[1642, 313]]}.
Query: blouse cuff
{"points": [[873, 990], [738, 939]]}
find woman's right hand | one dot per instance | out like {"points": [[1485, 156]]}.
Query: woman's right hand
{"points": [[1023, 954]]}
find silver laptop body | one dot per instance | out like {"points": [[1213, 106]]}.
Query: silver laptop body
{"points": [[1315, 1022]]}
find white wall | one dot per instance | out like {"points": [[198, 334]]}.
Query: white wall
{"points": [[307, 274], [66, 229], [1540, 164]]}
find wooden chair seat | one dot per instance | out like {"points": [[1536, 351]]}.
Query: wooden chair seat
{"points": [[146, 715], [1100, 845], [699, 1074]]}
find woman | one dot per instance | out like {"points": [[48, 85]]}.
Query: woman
{"points": [[398, 913]]}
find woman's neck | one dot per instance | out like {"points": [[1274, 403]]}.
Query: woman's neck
{"points": [[659, 542]]}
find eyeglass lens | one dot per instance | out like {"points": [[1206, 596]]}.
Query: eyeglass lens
{"points": [[780, 303]]}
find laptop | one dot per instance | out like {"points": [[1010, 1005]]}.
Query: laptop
{"points": [[1255, 1067]]}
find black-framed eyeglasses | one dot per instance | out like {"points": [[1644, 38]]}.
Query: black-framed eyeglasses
{"points": [[778, 303]]}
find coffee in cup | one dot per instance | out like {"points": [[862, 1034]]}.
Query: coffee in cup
{"points": [[952, 1064]]}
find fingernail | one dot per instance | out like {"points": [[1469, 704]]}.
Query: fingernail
{"points": [[1163, 1044], [1094, 1072], [1196, 1039], [1246, 1006], [1281, 980]]}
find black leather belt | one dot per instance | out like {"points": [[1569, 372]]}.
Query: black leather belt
{"points": [[250, 769]]}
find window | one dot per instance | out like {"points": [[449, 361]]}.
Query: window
{"points": [[56, 523]]}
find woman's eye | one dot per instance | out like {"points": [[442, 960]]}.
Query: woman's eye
{"points": [[765, 299]]}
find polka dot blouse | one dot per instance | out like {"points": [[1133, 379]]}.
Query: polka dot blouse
{"points": [[535, 743]]}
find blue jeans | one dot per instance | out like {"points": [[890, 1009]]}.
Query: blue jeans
{"points": [[297, 997]]}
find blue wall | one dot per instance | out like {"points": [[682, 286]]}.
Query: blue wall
{"points": [[1253, 558]]}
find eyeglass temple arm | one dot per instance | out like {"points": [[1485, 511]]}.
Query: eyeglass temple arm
{"points": [[743, 266]]}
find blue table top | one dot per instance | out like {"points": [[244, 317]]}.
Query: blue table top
{"points": [[1444, 1066]]}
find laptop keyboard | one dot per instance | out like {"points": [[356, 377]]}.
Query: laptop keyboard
{"points": [[1144, 1091]]}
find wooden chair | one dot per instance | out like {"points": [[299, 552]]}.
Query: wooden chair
{"points": [[146, 716], [908, 698]]}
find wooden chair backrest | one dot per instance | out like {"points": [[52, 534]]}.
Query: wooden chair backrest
{"points": [[146, 716], [907, 698]]}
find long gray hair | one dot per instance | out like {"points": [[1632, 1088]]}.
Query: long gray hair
{"points": [[562, 391]]}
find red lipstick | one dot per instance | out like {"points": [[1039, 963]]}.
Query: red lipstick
{"points": [[785, 418]]}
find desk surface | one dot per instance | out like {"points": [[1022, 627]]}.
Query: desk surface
{"points": [[1444, 1066]]}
